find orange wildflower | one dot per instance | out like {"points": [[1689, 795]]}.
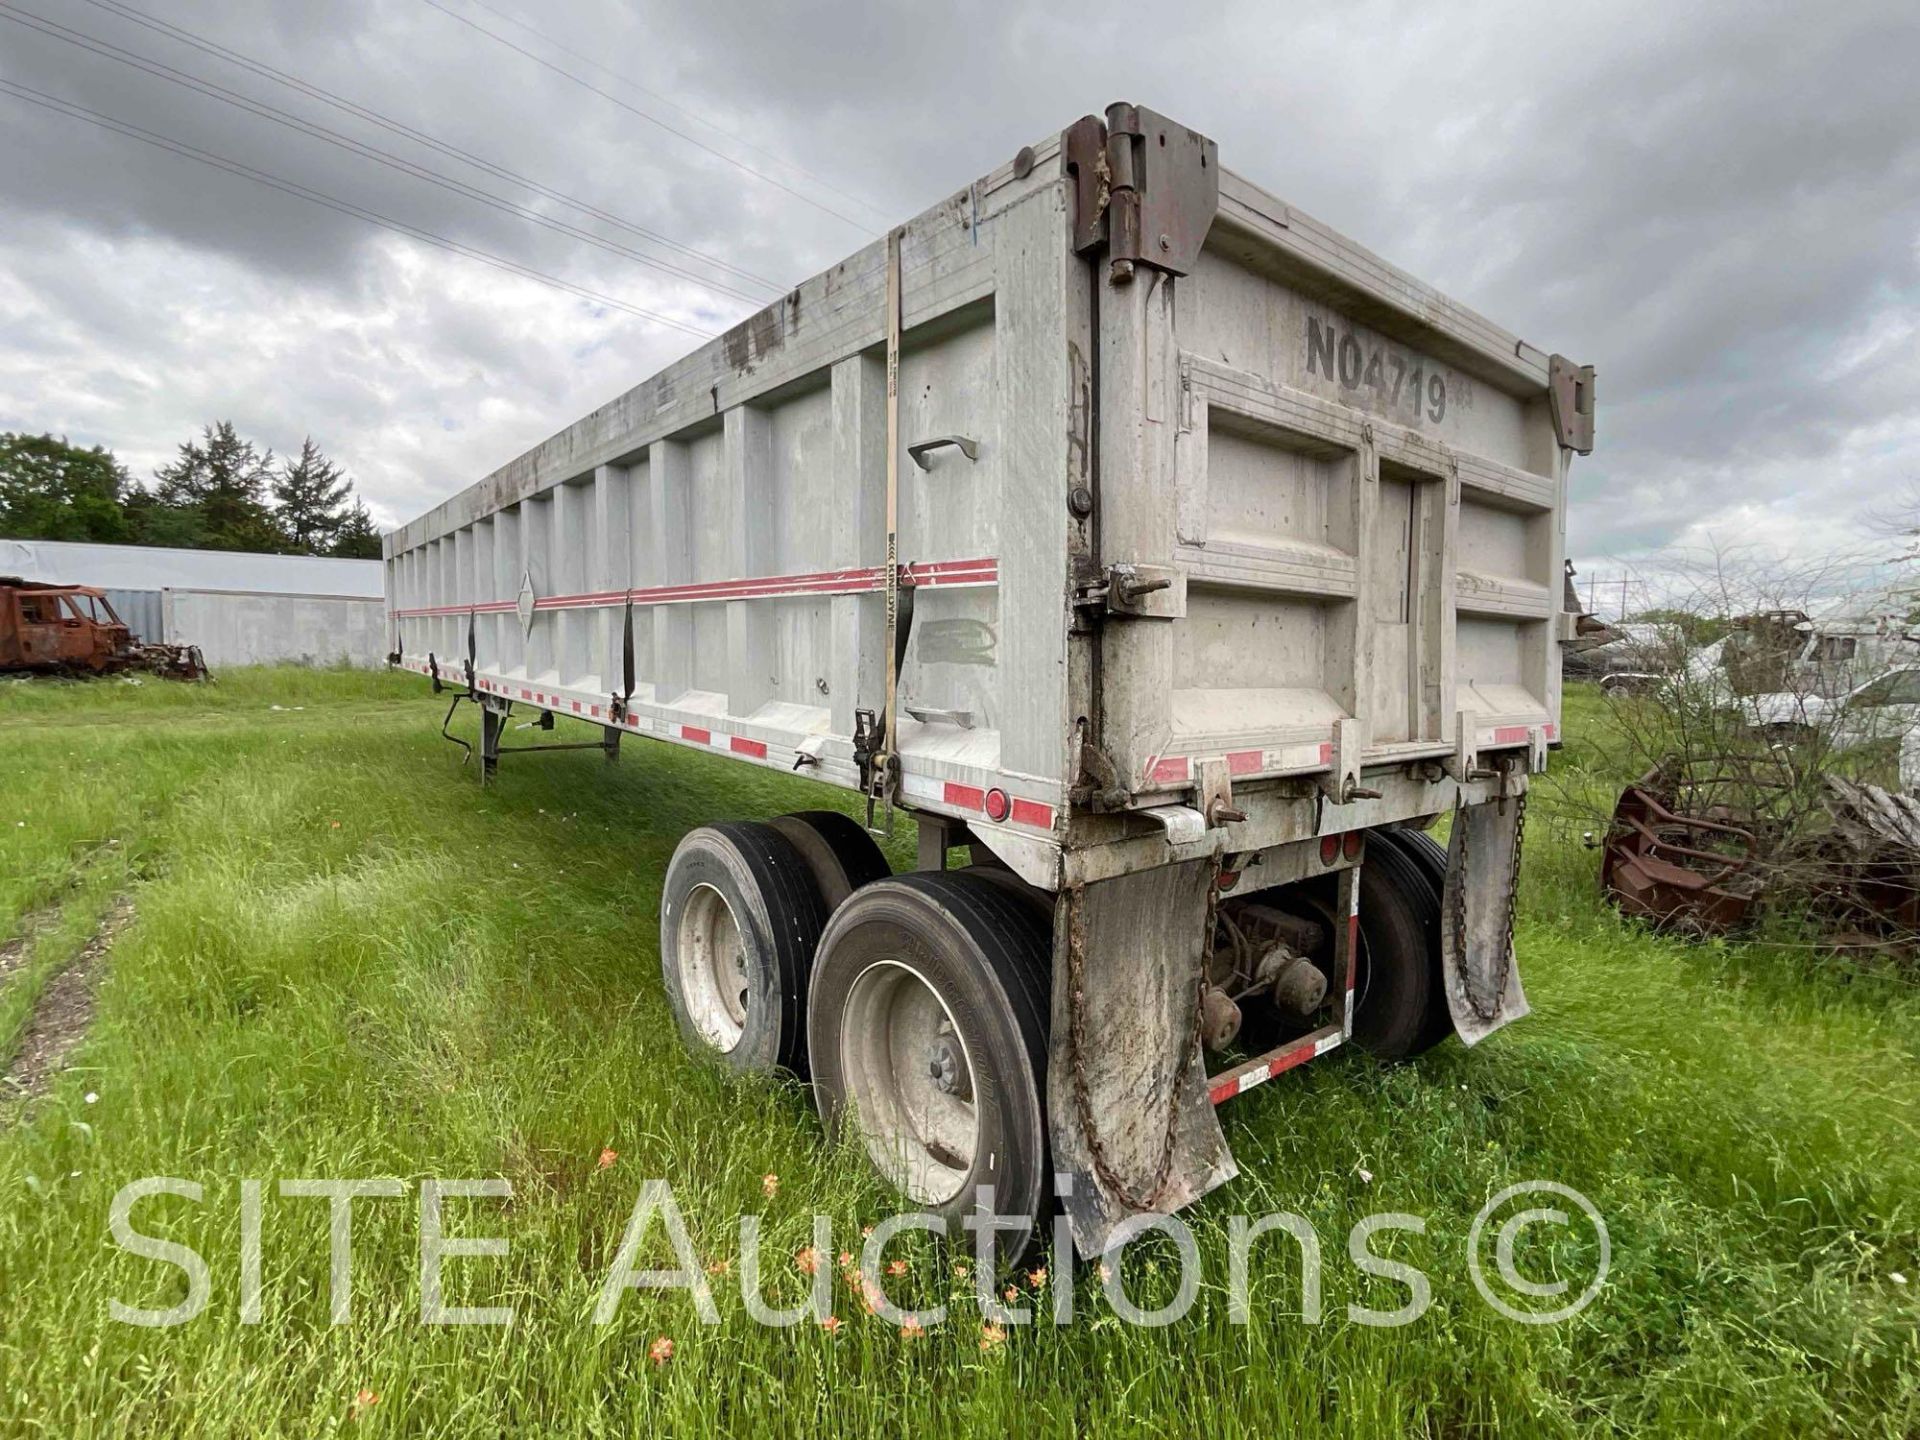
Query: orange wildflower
{"points": [[808, 1260], [992, 1336], [770, 1183], [607, 1157], [660, 1351]]}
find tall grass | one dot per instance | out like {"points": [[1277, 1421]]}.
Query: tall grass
{"points": [[348, 961]]}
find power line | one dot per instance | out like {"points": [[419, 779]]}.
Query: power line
{"points": [[291, 121], [628, 80], [608, 95], [331, 202], [398, 127]]}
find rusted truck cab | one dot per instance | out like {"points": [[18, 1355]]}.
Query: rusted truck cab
{"points": [[59, 627]]}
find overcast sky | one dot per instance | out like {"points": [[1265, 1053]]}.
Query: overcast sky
{"points": [[1718, 205]]}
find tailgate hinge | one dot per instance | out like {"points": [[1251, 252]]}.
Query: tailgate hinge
{"points": [[1144, 187]]}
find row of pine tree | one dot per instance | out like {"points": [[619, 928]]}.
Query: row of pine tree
{"points": [[221, 492]]}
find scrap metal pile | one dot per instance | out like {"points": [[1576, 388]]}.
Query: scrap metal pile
{"points": [[1706, 851]]}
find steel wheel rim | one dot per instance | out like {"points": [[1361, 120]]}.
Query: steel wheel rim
{"points": [[922, 1128], [713, 968]]}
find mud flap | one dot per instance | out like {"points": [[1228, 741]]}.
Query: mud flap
{"points": [[1126, 1087], [1482, 974]]}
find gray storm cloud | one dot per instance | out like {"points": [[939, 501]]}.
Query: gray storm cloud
{"points": [[1717, 205]]}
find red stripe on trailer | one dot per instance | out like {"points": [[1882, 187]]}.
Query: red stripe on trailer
{"points": [[1326, 752], [967, 797], [740, 745], [694, 733], [1510, 735], [576, 707], [1032, 812], [1353, 944], [1167, 769], [525, 694], [982, 571], [594, 710], [1553, 732], [1244, 762]]}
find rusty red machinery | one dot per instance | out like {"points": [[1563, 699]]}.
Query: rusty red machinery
{"points": [[73, 630], [1679, 856], [1676, 862]]}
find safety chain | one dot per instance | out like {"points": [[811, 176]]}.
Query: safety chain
{"points": [[1076, 1044], [1460, 909], [1513, 890]]}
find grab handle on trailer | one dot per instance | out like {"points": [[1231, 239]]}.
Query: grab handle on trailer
{"points": [[918, 453]]}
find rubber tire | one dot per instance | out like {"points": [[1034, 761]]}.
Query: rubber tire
{"points": [[778, 910], [837, 849], [1398, 907], [1431, 857], [1031, 896], [988, 956]]}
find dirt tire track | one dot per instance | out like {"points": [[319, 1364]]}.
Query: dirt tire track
{"points": [[15, 950], [64, 1010], [44, 917]]}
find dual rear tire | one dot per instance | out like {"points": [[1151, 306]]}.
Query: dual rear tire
{"points": [[917, 1004], [1400, 1001], [740, 919], [928, 1032]]}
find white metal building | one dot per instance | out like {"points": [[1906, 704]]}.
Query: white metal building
{"points": [[239, 608]]}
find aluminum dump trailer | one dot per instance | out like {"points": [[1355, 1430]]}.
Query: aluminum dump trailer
{"points": [[1165, 554]]}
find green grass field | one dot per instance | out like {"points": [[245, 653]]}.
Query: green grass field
{"points": [[346, 960]]}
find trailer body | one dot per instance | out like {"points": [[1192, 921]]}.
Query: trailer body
{"points": [[1217, 535]]}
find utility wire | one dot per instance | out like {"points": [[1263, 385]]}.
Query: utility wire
{"points": [[608, 95], [879, 210], [330, 202], [371, 152], [386, 122]]}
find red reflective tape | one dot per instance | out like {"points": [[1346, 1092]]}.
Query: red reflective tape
{"points": [[1244, 762], [1326, 752], [1166, 771], [740, 745], [1032, 812], [1553, 732], [525, 694], [1353, 948], [690, 732], [1299, 1055], [1244, 1080], [576, 707], [1510, 735], [967, 797]]}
